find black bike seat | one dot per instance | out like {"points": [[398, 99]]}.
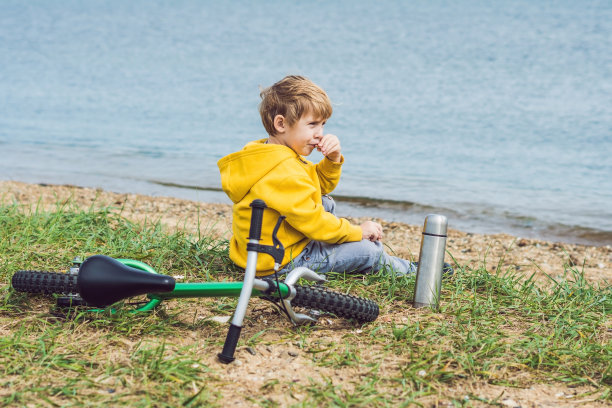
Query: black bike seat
{"points": [[103, 281]]}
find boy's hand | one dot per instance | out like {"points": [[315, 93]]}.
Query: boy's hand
{"points": [[372, 231], [330, 147]]}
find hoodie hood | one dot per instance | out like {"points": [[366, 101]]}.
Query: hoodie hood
{"points": [[243, 169]]}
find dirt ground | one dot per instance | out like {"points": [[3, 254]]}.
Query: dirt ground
{"points": [[255, 370], [497, 250]]}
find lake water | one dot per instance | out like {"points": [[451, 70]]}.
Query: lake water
{"points": [[498, 115]]}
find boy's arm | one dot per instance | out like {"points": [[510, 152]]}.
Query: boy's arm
{"points": [[296, 201], [329, 174], [329, 168]]}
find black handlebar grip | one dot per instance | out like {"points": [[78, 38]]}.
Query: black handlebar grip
{"points": [[229, 347], [258, 207]]}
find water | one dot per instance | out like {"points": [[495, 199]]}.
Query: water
{"points": [[496, 115]]}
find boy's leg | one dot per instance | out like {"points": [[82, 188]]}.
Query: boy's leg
{"points": [[360, 257], [329, 204]]}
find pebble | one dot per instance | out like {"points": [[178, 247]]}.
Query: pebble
{"points": [[220, 319], [510, 403]]}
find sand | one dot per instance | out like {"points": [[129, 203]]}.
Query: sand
{"points": [[277, 357], [496, 251]]}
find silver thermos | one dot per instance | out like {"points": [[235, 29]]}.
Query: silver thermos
{"points": [[431, 261]]}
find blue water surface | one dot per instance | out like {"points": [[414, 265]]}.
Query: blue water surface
{"points": [[496, 114]]}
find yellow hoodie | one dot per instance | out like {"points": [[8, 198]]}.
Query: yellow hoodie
{"points": [[290, 186]]}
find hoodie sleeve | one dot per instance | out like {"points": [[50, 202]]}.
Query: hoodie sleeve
{"points": [[329, 174], [296, 201]]}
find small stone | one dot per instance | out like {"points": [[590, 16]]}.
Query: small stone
{"points": [[220, 319], [559, 394], [422, 373], [251, 350], [292, 353], [237, 362], [510, 403]]}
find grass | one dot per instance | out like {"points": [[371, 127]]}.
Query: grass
{"points": [[492, 329]]}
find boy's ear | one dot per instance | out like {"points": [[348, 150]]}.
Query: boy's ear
{"points": [[280, 124]]}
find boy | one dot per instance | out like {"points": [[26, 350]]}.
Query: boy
{"points": [[294, 111]]}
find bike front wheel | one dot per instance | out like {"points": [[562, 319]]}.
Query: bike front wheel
{"points": [[340, 304]]}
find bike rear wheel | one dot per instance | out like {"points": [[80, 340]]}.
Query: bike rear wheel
{"points": [[44, 282], [65, 285], [340, 304]]}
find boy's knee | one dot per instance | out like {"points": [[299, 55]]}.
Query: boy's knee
{"points": [[328, 204], [374, 251]]}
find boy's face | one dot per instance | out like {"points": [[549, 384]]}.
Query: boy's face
{"points": [[302, 137]]}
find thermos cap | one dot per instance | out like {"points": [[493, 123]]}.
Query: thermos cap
{"points": [[435, 224]]}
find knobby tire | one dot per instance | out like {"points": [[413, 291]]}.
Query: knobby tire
{"points": [[44, 282], [347, 306]]}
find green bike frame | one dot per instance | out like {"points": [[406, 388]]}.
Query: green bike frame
{"points": [[251, 286], [201, 289]]}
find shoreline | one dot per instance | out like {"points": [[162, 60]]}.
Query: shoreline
{"points": [[499, 252], [483, 221], [469, 218]]}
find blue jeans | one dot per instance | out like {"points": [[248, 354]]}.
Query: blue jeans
{"points": [[356, 257]]}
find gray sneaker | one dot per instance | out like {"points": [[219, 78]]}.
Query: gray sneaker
{"points": [[447, 269]]}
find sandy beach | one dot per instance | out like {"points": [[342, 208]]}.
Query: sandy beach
{"points": [[497, 251], [283, 358]]}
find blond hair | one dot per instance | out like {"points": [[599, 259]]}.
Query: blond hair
{"points": [[292, 97]]}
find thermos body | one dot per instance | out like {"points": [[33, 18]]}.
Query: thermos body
{"points": [[431, 261]]}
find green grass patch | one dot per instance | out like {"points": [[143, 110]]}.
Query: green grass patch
{"points": [[496, 328]]}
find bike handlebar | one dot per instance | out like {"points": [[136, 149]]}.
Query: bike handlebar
{"points": [[229, 347], [258, 207]]}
